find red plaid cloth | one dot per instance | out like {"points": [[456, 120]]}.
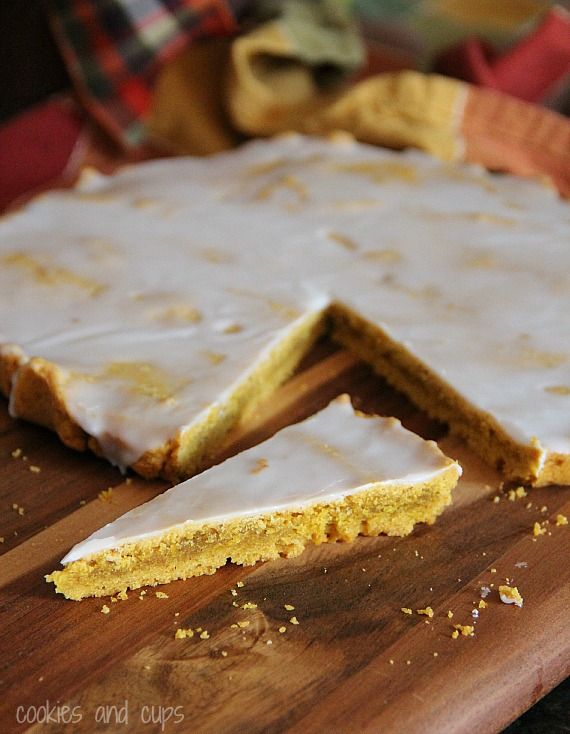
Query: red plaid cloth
{"points": [[113, 49], [534, 69]]}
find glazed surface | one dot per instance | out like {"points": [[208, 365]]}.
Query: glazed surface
{"points": [[156, 290]]}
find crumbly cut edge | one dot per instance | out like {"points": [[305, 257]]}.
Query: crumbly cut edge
{"points": [[35, 388], [196, 549], [518, 462]]}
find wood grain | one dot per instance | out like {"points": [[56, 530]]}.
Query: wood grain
{"points": [[332, 671]]}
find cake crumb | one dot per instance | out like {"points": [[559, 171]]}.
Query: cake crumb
{"points": [[561, 520], [391, 661], [467, 630], [105, 609], [204, 635], [282, 629], [435, 654], [106, 495], [224, 653], [233, 592], [160, 595], [240, 584], [544, 508], [1, 538], [482, 604], [408, 662], [243, 623], [34, 469], [289, 607], [122, 595], [249, 605], [521, 564], [510, 595], [455, 634], [493, 570], [406, 610], [114, 600], [428, 612], [269, 642], [294, 620], [537, 530], [183, 632], [496, 499], [450, 614], [515, 494], [16, 453]]}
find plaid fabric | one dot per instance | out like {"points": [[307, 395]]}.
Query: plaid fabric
{"points": [[113, 49]]}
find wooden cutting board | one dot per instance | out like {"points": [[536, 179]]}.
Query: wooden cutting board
{"points": [[354, 661]]}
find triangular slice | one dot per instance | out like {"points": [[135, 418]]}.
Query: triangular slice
{"points": [[332, 477]]}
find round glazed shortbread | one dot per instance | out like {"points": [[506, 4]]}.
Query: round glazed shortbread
{"points": [[144, 313]]}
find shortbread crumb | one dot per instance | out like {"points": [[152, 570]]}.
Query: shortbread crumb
{"points": [[510, 595], [183, 632], [467, 630], [106, 495], [428, 612]]}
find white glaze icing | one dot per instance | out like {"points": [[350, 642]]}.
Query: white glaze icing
{"points": [[194, 268], [325, 458]]}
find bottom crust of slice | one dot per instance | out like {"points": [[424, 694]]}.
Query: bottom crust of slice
{"points": [[193, 550]]}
